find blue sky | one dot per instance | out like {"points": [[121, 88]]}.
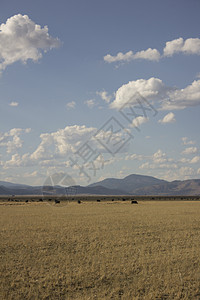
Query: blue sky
{"points": [[67, 70]]}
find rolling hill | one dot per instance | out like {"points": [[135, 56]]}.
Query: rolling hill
{"points": [[130, 185]]}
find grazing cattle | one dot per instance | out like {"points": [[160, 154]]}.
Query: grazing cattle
{"points": [[57, 201], [41, 200], [49, 199], [26, 201], [113, 199], [79, 201], [134, 202], [123, 199], [98, 200]]}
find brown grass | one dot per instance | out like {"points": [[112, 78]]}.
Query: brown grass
{"points": [[100, 250]]}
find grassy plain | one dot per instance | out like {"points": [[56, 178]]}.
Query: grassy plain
{"points": [[106, 250]]}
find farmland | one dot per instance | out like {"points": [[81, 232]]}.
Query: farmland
{"points": [[107, 250]]}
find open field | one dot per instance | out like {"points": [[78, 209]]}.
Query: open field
{"points": [[106, 250]]}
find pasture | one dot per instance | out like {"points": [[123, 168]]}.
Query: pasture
{"points": [[106, 250]]}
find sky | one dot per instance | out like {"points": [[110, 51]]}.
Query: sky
{"points": [[96, 89]]}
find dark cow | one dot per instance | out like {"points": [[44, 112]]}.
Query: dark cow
{"points": [[57, 201], [79, 201], [98, 200], [134, 202]]}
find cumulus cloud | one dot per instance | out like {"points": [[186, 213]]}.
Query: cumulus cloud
{"points": [[13, 103], [18, 161], [21, 39], [11, 139], [61, 142], [150, 89], [57, 148], [104, 95], [189, 46], [186, 142], [190, 150], [155, 91], [187, 171], [71, 105], [149, 54], [159, 157], [139, 121], [134, 156], [195, 160], [182, 98], [169, 118], [90, 103], [148, 165]]}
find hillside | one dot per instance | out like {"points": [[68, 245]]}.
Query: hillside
{"points": [[130, 185]]}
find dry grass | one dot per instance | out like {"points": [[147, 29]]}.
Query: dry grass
{"points": [[100, 250]]}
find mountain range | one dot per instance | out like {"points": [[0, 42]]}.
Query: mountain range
{"points": [[130, 185]]}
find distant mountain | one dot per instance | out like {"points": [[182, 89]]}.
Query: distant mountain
{"points": [[57, 190], [174, 188], [20, 190], [12, 185], [129, 183], [99, 190]]}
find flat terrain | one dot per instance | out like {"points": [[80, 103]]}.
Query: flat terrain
{"points": [[106, 250]]}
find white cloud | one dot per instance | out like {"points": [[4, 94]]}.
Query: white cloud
{"points": [[150, 89], [149, 54], [186, 142], [119, 57], [139, 121], [154, 90], [134, 156], [169, 118], [182, 98], [57, 147], [159, 157], [90, 103], [186, 171], [13, 103], [189, 46], [11, 139], [18, 161], [190, 150], [71, 105], [195, 160], [198, 171], [104, 95], [62, 142], [184, 160], [21, 39], [148, 165]]}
